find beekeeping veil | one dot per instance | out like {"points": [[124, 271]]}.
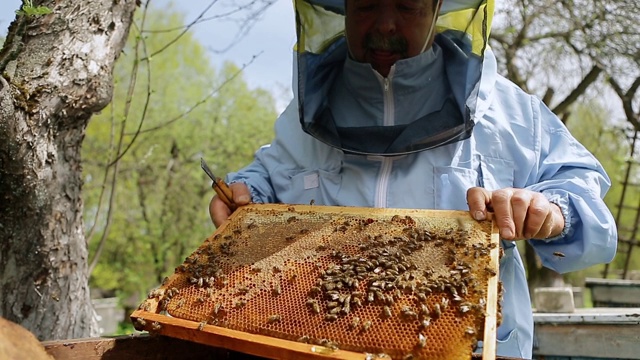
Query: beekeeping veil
{"points": [[463, 29]]}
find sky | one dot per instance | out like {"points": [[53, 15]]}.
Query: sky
{"points": [[271, 39]]}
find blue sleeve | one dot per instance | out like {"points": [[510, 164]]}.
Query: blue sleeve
{"points": [[271, 162], [256, 177], [572, 178]]}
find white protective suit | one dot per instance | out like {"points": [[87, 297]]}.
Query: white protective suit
{"points": [[489, 133]]}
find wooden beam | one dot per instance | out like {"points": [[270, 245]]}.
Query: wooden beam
{"points": [[140, 347], [607, 341]]}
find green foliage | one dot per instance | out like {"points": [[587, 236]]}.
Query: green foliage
{"points": [[124, 328], [185, 110], [589, 124], [29, 10]]}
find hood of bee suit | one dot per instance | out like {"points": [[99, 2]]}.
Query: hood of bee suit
{"points": [[462, 29]]}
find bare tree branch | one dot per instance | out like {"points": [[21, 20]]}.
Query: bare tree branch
{"points": [[627, 100], [580, 89]]}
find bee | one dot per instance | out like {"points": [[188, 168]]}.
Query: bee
{"points": [[277, 290], [140, 323], [303, 339], [490, 271], [312, 202], [314, 291], [217, 308], [436, 311], [252, 225], [422, 341], [410, 315], [243, 290], [328, 286], [426, 322], [324, 342], [274, 318], [469, 331], [155, 326], [315, 308], [444, 304], [559, 254], [290, 238], [180, 303], [202, 325], [366, 325], [354, 322], [335, 311], [292, 219], [346, 308], [386, 312], [304, 231], [408, 357], [331, 317]]}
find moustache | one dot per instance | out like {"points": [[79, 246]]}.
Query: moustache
{"points": [[395, 44]]}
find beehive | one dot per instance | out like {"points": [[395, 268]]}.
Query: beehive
{"points": [[341, 281]]}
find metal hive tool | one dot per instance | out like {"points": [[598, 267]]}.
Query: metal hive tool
{"points": [[313, 282]]}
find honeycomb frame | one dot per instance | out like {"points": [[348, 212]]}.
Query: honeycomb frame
{"points": [[309, 282]]}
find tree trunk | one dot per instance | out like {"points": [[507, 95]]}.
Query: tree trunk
{"points": [[56, 72]]}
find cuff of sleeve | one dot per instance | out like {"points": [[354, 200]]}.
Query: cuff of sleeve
{"points": [[563, 203], [254, 194]]}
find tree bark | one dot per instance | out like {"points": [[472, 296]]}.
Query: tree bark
{"points": [[56, 72]]}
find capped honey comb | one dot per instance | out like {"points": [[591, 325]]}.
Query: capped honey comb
{"points": [[400, 284]]}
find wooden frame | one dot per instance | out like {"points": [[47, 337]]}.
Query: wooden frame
{"points": [[272, 347]]}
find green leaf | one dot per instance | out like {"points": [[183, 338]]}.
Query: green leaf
{"points": [[33, 10]]}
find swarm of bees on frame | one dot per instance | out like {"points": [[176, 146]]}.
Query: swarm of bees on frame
{"points": [[389, 287]]}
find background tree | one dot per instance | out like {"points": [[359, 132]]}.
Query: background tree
{"points": [[56, 66], [55, 73], [572, 54], [591, 125], [151, 212]]}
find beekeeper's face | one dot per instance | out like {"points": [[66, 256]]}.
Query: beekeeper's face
{"points": [[381, 32]]}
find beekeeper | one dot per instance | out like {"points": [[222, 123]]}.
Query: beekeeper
{"points": [[393, 109]]}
